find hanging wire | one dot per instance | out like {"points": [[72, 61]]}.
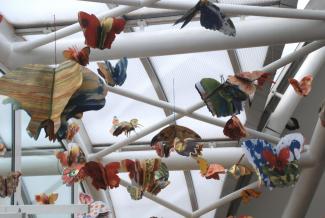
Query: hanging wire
{"points": [[174, 113], [55, 61]]}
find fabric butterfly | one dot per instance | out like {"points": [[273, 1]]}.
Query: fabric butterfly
{"points": [[234, 129], [210, 171], [124, 126], [303, 87], [8, 184], [180, 138], [46, 199], [113, 75], [211, 18], [221, 99], [96, 209], [277, 166], [103, 176], [81, 57], [100, 34]]}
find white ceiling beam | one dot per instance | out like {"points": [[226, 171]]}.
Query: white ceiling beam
{"points": [[44, 209], [250, 33], [230, 9], [74, 28]]}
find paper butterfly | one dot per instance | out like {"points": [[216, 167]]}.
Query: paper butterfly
{"points": [[238, 170], [3, 149], [73, 174], [211, 18], [234, 129], [210, 171], [277, 166], [46, 199], [322, 114], [72, 130], [8, 184], [248, 194], [303, 87], [97, 208], [124, 126], [221, 99], [103, 176], [81, 57], [100, 34], [73, 156], [113, 75]]}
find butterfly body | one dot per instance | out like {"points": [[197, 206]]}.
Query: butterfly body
{"points": [[210, 18], [99, 34], [278, 165], [113, 75]]}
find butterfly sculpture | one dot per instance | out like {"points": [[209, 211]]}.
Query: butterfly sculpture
{"points": [[211, 18], [103, 176], [8, 184], [180, 138], [96, 208], [81, 57], [210, 171], [248, 194], [100, 34], [149, 175], [277, 166], [124, 126], [322, 114], [221, 99], [3, 149], [234, 129], [303, 87], [72, 130], [238, 170], [46, 199], [113, 75]]}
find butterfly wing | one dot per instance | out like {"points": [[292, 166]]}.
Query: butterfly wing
{"points": [[214, 170], [234, 129], [53, 197], [90, 26], [70, 54], [12, 182], [294, 142], [119, 73], [106, 72], [244, 85], [303, 87], [203, 165], [96, 172], [111, 171], [188, 16], [85, 199], [83, 56]]}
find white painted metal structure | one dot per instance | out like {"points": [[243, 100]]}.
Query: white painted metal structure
{"points": [[283, 26]]}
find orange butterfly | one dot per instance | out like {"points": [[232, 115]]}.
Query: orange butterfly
{"points": [[248, 194], [234, 129], [72, 130], [209, 171], [46, 199], [82, 57], [303, 87]]}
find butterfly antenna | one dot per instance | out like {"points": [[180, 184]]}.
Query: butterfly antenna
{"points": [[241, 158]]}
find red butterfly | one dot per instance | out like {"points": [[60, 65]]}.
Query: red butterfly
{"points": [[82, 57], [99, 34], [303, 87], [279, 161], [103, 176]]}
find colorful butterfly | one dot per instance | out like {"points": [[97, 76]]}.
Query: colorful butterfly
{"points": [[124, 126], [234, 129], [210, 171], [73, 156], [238, 170], [113, 75], [103, 176], [248, 194], [221, 99], [8, 184], [100, 34], [322, 114], [277, 166], [3, 149], [81, 57], [211, 18], [72, 130], [46, 199], [303, 87], [96, 209], [73, 174], [180, 138]]}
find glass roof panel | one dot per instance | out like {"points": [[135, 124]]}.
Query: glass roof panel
{"points": [[98, 123], [176, 193], [252, 58]]}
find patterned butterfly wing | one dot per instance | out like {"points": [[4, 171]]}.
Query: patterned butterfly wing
{"points": [[188, 16], [96, 172], [214, 171], [303, 87], [119, 73], [294, 142], [98, 209], [12, 182], [246, 86], [111, 171], [90, 26], [85, 199], [83, 56], [234, 129]]}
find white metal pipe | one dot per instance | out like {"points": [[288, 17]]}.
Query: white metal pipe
{"points": [[250, 33], [290, 99], [168, 120], [160, 201], [308, 182], [224, 200], [231, 9], [74, 28], [45, 209]]}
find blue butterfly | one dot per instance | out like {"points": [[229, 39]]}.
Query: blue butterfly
{"points": [[113, 75], [276, 165]]}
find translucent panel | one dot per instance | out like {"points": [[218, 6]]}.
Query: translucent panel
{"points": [[207, 191], [44, 184], [20, 12], [187, 69], [5, 122], [176, 193], [252, 58], [98, 123], [302, 4], [28, 141]]}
